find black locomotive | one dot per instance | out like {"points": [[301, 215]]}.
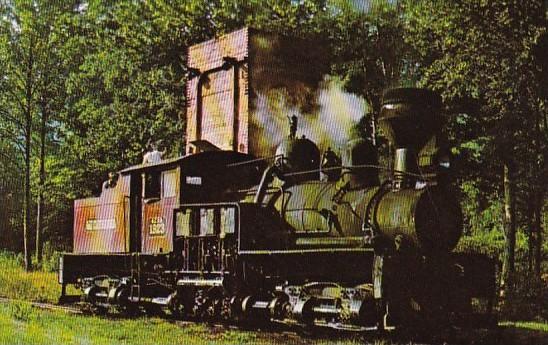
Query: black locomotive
{"points": [[300, 238]]}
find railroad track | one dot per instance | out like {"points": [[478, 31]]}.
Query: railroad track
{"points": [[45, 306]]}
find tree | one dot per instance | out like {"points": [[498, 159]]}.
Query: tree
{"points": [[30, 88], [123, 88], [370, 52], [50, 94], [17, 57], [10, 189], [481, 56]]}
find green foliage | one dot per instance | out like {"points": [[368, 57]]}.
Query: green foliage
{"points": [[482, 213], [537, 326], [487, 59], [482, 57], [50, 259], [370, 51], [126, 89]]}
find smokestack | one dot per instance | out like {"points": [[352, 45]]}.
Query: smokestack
{"points": [[409, 117]]}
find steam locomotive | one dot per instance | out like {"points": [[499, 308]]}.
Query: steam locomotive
{"points": [[252, 226]]}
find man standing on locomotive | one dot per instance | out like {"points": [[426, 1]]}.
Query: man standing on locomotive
{"points": [[111, 182], [153, 155]]}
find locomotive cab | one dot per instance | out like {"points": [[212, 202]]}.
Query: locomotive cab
{"points": [[155, 192], [131, 224]]}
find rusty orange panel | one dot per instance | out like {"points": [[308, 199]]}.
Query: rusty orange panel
{"points": [[101, 224], [157, 231], [224, 93]]}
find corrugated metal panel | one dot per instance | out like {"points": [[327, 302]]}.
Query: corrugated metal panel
{"points": [[224, 109], [101, 225], [209, 54], [157, 228], [246, 115], [157, 231]]}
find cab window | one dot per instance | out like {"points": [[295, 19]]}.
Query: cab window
{"points": [[169, 183], [152, 185]]}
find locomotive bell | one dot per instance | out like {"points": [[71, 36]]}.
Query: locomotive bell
{"points": [[330, 167]]}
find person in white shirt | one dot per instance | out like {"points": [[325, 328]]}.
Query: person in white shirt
{"points": [[111, 182], [152, 156]]}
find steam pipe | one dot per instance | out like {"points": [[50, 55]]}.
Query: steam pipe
{"points": [[405, 161], [236, 111], [268, 177]]}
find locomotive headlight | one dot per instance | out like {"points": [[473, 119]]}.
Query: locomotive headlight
{"points": [[444, 161]]}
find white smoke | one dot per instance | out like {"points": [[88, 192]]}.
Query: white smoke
{"points": [[328, 122]]}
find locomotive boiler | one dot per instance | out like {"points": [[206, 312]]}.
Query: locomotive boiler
{"points": [[262, 223]]}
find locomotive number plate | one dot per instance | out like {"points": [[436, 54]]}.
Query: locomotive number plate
{"points": [[156, 226]]}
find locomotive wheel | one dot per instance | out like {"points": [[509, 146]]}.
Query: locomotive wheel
{"points": [[124, 305], [176, 307]]}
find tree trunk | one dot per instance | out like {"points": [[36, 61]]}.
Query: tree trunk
{"points": [[538, 227], [538, 199], [508, 267], [28, 141], [26, 199], [40, 201], [531, 231]]}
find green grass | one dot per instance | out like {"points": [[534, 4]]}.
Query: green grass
{"points": [[20, 323], [38, 286]]}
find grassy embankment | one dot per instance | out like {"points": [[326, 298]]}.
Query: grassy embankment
{"points": [[37, 286], [20, 323]]}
